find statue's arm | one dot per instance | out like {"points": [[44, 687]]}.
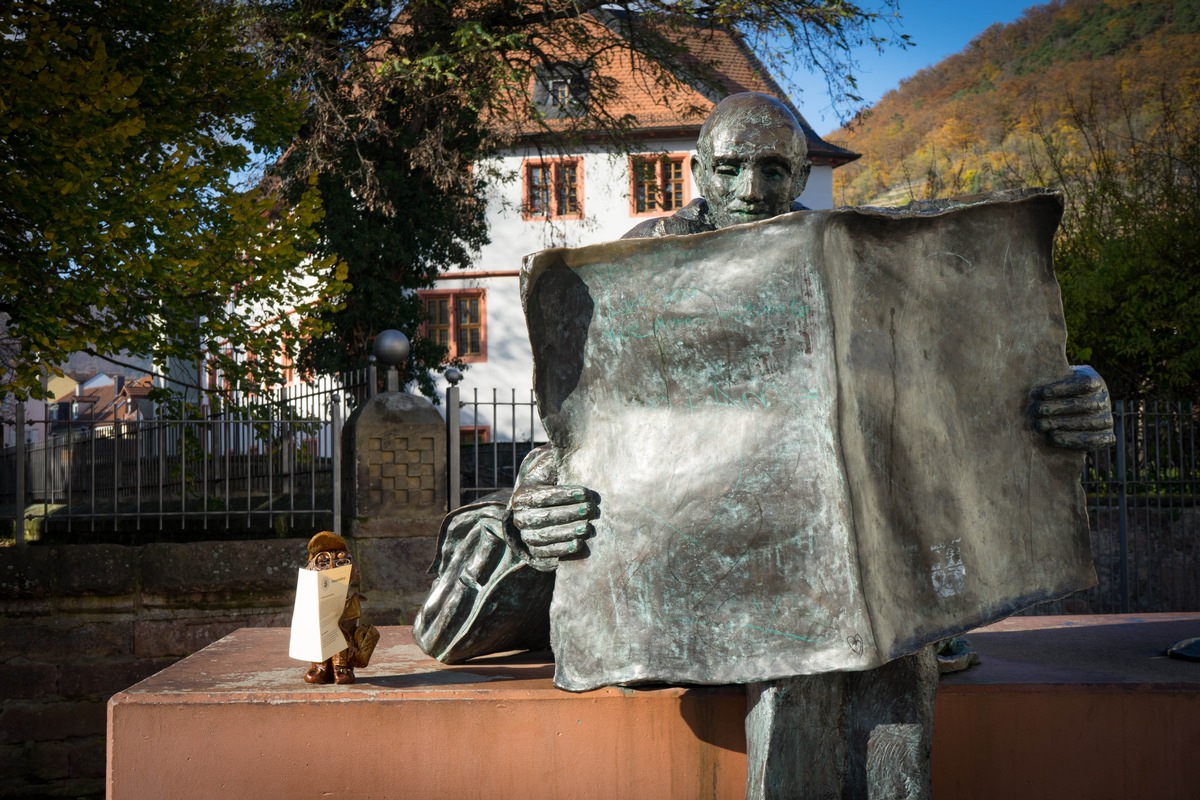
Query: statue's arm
{"points": [[548, 521], [1074, 412]]}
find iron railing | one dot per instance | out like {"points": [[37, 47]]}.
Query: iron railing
{"points": [[1145, 519], [482, 465], [263, 462], [1141, 497], [274, 463]]}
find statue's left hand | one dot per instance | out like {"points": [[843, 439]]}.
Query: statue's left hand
{"points": [[1074, 412], [553, 521], [548, 521]]}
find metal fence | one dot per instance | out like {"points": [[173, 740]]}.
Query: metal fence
{"points": [[1141, 497], [479, 465], [254, 463], [272, 463], [1142, 502]]}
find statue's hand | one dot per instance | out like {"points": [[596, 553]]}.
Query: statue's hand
{"points": [[1075, 412], [548, 521], [553, 521]]}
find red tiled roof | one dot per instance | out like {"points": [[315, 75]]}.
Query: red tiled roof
{"points": [[642, 93], [139, 387]]}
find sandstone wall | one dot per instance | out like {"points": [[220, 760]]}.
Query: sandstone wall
{"points": [[82, 622]]}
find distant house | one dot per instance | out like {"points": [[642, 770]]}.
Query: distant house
{"points": [[591, 194], [37, 412], [81, 368], [102, 401]]}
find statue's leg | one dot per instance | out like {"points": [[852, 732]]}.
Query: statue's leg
{"points": [[843, 736], [891, 728], [795, 739]]}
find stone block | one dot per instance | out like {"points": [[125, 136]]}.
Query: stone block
{"points": [[273, 619], [49, 761], [395, 574], [86, 758], [24, 679], [95, 605], [103, 569], [69, 638], [41, 607], [51, 721], [387, 441], [170, 637], [102, 679], [258, 564], [53, 769], [14, 759], [27, 571], [664, 743]]}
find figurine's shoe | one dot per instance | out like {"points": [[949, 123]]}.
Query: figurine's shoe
{"points": [[343, 675], [319, 673]]}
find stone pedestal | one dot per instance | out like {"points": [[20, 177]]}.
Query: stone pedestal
{"points": [[237, 719], [396, 454], [1060, 707], [395, 470]]}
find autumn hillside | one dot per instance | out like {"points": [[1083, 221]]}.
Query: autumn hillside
{"points": [[980, 119]]}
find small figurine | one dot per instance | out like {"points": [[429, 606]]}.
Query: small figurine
{"points": [[327, 550]]}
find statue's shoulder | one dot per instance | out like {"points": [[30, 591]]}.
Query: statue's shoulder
{"points": [[692, 218]]}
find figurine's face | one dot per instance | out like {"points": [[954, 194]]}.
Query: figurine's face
{"points": [[330, 559], [750, 169]]}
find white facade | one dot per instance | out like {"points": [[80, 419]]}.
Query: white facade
{"points": [[606, 214]]}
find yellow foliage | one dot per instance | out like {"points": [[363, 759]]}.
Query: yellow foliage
{"points": [[973, 121]]}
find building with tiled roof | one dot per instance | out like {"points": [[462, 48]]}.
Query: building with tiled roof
{"points": [[102, 400], [593, 193], [637, 87]]}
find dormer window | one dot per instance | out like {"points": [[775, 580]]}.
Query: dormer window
{"points": [[560, 90]]}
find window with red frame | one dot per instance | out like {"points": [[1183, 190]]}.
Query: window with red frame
{"points": [[474, 434], [458, 321], [552, 189], [658, 184]]}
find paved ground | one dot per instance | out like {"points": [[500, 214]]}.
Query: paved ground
{"points": [[1092, 649]]}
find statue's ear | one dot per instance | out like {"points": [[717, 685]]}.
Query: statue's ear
{"points": [[800, 178], [697, 182]]}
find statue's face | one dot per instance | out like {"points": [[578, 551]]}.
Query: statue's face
{"points": [[328, 559], [755, 170]]}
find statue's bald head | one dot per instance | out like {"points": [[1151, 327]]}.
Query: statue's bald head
{"points": [[751, 159]]}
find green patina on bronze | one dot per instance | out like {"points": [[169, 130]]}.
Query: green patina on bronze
{"points": [[809, 437]]}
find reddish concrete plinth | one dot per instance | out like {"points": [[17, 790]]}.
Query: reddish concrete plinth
{"points": [[1062, 707], [1071, 707], [237, 719]]}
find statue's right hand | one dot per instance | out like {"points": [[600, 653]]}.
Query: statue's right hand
{"points": [[553, 521]]}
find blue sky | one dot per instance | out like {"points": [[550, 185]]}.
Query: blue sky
{"points": [[939, 29]]}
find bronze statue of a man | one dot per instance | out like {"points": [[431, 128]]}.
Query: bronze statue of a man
{"points": [[831, 734]]}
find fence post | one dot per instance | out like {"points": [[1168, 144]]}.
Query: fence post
{"points": [[453, 449], [372, 378], [336, 447], [1122, 506], [19, 498]]}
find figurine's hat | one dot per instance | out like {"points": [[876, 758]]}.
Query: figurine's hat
{"points": [[326, 541]]}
